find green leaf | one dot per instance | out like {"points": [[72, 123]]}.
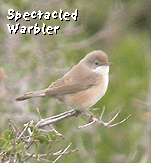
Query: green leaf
{"points": [[21, 148], [42, 139], [7, 135], [6, 145], [35, 131], [2, 143], [51, 136], [18, 156]]}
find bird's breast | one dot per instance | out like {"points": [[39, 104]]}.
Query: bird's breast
{"points": [[86, 98]]}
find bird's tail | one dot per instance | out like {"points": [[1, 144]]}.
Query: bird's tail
{"points": [[40, 93]]}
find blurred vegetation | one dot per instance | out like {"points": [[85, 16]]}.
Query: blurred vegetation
{"points": [[31, 62]]}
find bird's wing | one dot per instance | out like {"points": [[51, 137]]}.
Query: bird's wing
{"points": [[74, 81]]}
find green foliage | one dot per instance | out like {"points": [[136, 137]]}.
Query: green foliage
{"points": [[42, 139], [9, 148], [14, 145]]}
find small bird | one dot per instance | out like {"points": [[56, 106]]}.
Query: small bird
{"points": [[82, 86]]}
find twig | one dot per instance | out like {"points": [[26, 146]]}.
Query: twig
{"points": [[108, 124], [27, 158], [120, 122], [64, 153], [93, 119], [13, 128], [39, 116], [57, 118], [88, 124], [29, 140], [2, 152], [56, 132], [61, 154], [110, 120], [102, 113], [58, 153], [94, 109], [26, 127], [14, 125]]}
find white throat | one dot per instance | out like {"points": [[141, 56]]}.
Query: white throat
{"points": [[102, 70]]}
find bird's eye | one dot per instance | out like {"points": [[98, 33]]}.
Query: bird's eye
{"points": [[96, 62]]}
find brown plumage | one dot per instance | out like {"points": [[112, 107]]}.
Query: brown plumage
{"points": [[82, 84]]}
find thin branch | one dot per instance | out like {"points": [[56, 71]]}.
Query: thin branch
{"points": [[56, 132], [93, 119], [108, 124], [27, 158], [26, 127], [65, 153], [102, 113], [110, 120], [62, 152], [13, 128], [58, 153], [39, 116], [116, 124], [57, 118], [14, 125], [88, 124], [29, 140]]}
